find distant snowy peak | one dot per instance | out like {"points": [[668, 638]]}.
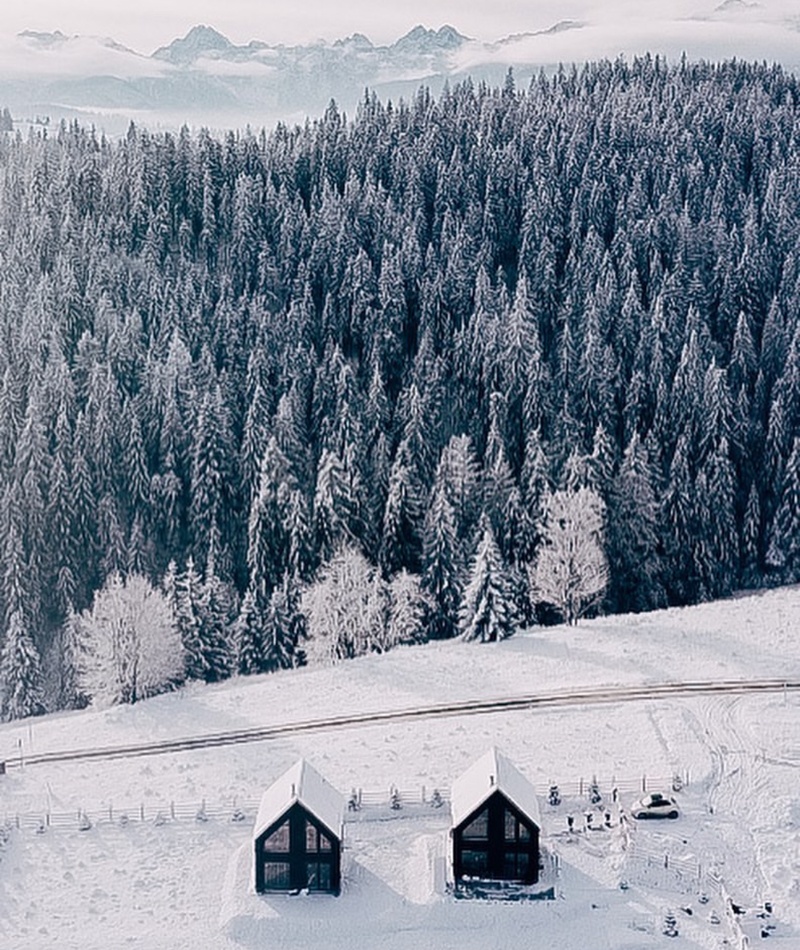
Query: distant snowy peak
{"points": [[39, 38], [56, 40], [204, 42], [421, 40], [199, 41], [736, 6], [562, 27], [357, 41]]}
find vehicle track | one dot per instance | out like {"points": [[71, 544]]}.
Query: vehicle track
{"points": [[587, 696]]}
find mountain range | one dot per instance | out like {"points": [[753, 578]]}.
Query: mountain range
{"points": [[203, 78]]}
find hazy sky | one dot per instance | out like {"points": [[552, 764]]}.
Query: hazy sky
{"points": [[147, 24]]}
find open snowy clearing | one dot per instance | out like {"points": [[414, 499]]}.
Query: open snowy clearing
{"points": [[185, 883]]}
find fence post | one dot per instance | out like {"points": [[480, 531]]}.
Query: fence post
{"points": [[141, 811], [172, 810], [580, 792], [110, 813], [423, 794], [644, 783]]}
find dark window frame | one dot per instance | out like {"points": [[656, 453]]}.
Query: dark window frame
{"points": [[313, 854]]}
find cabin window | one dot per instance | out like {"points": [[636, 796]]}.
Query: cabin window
{"points": [[277, 875], [316, 840], [515, 865], [515, 830], [478, 828], [279, 839], [318, 875], [474, 863]]}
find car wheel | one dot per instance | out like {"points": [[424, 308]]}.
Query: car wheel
{"points": [[672, 814]]}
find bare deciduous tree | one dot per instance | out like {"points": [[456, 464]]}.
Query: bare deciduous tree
{"points": [[571, 571], [346, 609], [131, 647]]}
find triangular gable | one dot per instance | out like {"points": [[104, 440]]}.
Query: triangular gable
{"points": [[491, 773], [304, 785]]}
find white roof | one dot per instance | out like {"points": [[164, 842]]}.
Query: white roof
{"points": [[492, 772], [301, 783]]}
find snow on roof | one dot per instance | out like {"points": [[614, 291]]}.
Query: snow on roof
{"points": [[492, 772], [301, 783]]}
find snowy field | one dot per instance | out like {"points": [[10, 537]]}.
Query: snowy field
{"points": [[133, 879]]}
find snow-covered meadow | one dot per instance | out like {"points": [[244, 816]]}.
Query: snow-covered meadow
{"points": [[180, 882]]}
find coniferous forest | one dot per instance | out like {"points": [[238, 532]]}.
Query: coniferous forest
{"points": [[358, 358]]}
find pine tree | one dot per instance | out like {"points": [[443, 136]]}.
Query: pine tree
{"points": [[20, 673], [188, 593], [400, 537], [285, 629], [215, 612], [633, 535], [249, 636], [70, 662], [783, 552], [487, 608], [442, 567], [751, 539]]}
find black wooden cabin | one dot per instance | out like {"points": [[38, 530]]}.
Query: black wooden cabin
{"points": [[496, 823], [298, 834]]}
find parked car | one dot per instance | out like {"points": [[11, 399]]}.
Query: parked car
{"points": [[655, 805]]}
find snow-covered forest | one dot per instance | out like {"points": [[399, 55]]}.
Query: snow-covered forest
{"points": [[369, 365]]}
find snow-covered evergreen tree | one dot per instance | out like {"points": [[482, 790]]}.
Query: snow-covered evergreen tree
{"points": [[487, 606], [248, 635], [783, 552], [20, 672], [70, 662], [285, 629], [442, 567]]}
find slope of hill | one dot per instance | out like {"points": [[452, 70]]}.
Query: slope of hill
{"points": [[174, 881]]}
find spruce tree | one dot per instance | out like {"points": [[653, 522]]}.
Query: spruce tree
{"points": [[20, 672], [487, 607]]}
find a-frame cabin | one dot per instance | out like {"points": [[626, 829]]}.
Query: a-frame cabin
{"points": [[495, 823], [298, 834]]}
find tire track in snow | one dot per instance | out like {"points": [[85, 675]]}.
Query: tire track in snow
{"points": [[581, 697], [738, 788]]}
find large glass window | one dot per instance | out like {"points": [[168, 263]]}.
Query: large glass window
{"points": [[475, 863], [279, 839], [316, 840], [318, 875], [277, 875], [515, 830], [515, 865], [478, 828]]}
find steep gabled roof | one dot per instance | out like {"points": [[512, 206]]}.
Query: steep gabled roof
{"points": [[304, 785], [491, 773]]}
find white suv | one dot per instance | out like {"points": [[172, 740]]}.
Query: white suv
{"points": [[655, 805]]}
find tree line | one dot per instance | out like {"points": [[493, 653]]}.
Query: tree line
{"points": [[402, 342]]}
